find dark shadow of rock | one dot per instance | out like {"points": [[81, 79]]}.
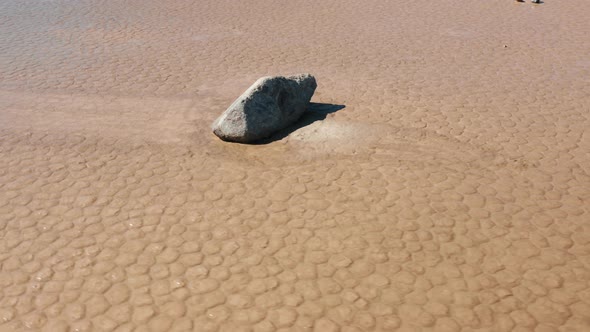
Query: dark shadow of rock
{"points": [[315, 112]]}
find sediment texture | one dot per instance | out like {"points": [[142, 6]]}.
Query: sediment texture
{"points": [[451, 193]]}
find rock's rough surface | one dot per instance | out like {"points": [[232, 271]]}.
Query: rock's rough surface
{"points": [[269, 105]]}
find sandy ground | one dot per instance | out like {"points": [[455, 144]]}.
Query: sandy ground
{"points": [[450, 193]]}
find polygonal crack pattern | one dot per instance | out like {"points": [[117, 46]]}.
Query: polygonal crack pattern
{"points": [[450, 194]]}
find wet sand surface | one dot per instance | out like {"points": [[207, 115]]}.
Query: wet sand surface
{"points": [[451, 193]]}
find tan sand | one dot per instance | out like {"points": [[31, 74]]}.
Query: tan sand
{"points": [[451, 193]]}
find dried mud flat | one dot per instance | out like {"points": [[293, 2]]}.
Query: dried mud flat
{"points": [[450, 194]]}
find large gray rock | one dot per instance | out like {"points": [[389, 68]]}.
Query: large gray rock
{"points": [[269, 105]]}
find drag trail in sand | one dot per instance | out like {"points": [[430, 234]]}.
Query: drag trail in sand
{"points": [[448, 191]]}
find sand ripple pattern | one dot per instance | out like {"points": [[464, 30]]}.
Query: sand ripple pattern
{"points": [[452, 193]]}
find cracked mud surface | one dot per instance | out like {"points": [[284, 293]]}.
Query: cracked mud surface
{"points": [[451, 193]]}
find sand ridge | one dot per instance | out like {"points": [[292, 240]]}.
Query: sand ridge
{"points": [[451, 193]]}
